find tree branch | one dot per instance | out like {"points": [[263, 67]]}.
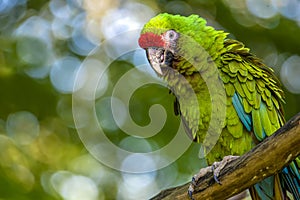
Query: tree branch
{"points": [[266, 159]]}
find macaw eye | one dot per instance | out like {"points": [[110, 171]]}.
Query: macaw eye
{"points": [[171, 35]]}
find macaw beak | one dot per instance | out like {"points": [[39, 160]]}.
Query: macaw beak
{"points": [[159, 58]]}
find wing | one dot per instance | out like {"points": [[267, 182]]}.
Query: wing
{"points": [[177, 111], [257, 98]]}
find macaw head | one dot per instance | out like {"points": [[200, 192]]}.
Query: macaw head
{"points": [[172, 40]]}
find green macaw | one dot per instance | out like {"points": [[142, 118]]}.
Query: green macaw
{"points": [[213, 76]]}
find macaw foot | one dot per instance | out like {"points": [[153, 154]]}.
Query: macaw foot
{"points": [[194, 183], [215, 168], [218, 166]]}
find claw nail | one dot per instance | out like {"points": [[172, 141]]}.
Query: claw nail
{"points": [[190, 194], [194, 181], [217, 180]]}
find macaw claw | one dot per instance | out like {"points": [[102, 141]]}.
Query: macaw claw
{"points": [[215, 168], [218, 166]]}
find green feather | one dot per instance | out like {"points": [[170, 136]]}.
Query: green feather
{"points": [[225, 78], [239, 70], [247, 106], [273, 116], [266, 123], [242, 71], [257, 125], [257, 101], [241, 78], [236, 130], [233, 67], [275, 102], [250, 85], [239, 89], [248, 94], [268, 93], [260, 94], [250, 77], [229, 90]]}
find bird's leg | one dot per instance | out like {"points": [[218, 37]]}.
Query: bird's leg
{"points": [[194, 183], [218, 166], [215, 168]]}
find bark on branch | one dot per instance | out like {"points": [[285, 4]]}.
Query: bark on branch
{"points": [[266, 159]]}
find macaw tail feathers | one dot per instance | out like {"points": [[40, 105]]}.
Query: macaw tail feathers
{"points": [[282, 186], [290, 180]]}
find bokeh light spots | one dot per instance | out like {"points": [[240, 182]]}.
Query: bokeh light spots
{"points": [[48, 40], [74, 187], [23, 127], [61, 10], [63, 74], [39, 72], [60, 29], [125, 18], [7, 5], [134, 144], [290, 74], [22, 176], [123, 24], [64, 110], [262, 8], [88, 166], [34, 42], [95, 71], [266, 13], [14, 165], [139, 186], [32, 51], [37, 27], [288, 8], [79, 187], [80, 43], [103, 108], [11, 11], [179, 7], [145, 161], [9, 153]]}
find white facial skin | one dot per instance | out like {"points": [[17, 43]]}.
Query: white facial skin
{"points": [[162, 57]]}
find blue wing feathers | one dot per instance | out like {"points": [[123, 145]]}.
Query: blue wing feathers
{"points": [[244, 117], [291, 180], [295, 169], [290, 175], [265, 188]]}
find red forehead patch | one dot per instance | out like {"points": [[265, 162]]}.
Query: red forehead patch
{"points": [[150, 40]]}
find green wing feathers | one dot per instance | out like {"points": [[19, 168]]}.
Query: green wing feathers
{"points": [[254, 98], [258, 90]]}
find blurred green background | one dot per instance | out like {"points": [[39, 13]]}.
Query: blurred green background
{"points": [[42, 47]]}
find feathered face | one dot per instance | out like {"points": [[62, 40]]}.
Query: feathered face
{"points": [[161, 49], [179, 43]]}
